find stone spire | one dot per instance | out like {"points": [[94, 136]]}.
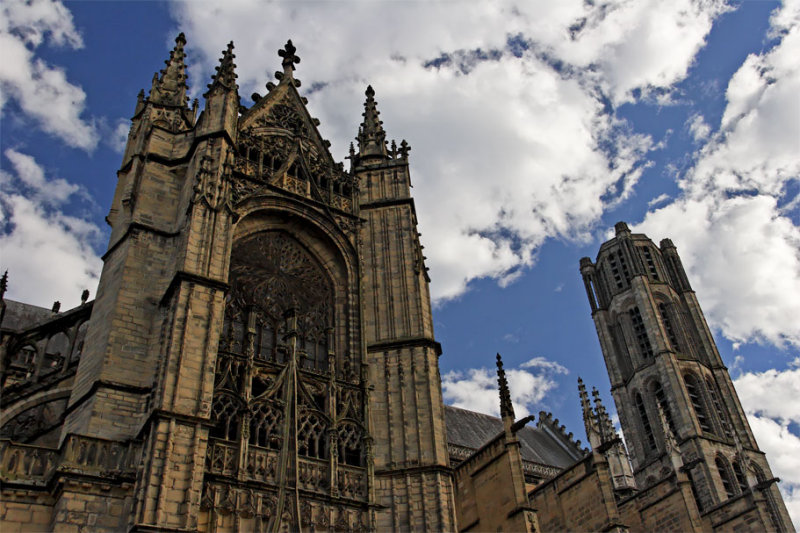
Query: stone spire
{"points": [[589, 417], [506, 407], [603, 420], [371, 137], [225, 75], [170, 88]]}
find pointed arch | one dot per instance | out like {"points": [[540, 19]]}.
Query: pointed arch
{"points": [[694, 388], [726, 476]]}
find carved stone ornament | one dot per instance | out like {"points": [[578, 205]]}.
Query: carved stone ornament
{"points": [[273, 273], [284, 116]]}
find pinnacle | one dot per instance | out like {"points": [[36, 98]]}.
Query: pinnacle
{"points": [[371, 137], [226, 71], [506, 407], [170, 88]]}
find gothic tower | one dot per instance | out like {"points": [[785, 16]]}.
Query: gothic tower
{"points": [[412, 476], [677, 406]]}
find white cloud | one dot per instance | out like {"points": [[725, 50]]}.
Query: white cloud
{"points": [[117, 137], [770, 400], [698, 127], [53, 191], [476, 388], [660, 199], [48, 254], [531, 149], [545, 364], [42, 91], [733, 226]]}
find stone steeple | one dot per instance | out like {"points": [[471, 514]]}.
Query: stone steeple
{"points": [[225, 75], [371, 137], [170, 88]]}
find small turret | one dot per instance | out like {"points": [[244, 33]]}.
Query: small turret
{"points": [[605, 441], [371, 137], [170, 88]]}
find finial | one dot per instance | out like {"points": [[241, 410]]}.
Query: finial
{"points": [[506, 407], [621, 227], [404, 149], [84, 296], [56, 306], [290, 59], [3, 284]]}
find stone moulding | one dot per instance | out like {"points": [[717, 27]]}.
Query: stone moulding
{"points": [[35, 466]]}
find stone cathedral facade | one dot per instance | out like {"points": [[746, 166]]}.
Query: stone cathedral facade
{"points": [[260, 356]]}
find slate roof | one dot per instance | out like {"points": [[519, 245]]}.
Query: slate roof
{"points": [[472, 430], [20, 316]]}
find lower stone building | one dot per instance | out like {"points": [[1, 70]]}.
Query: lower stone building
{"points": [[260, 356]]}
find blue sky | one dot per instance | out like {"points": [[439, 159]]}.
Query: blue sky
{"points": [[534, 126]]}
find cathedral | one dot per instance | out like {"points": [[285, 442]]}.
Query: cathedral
{"points": [[260, 356]]}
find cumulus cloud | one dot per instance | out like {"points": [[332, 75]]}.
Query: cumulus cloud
{"points": [[48, 254], [476, 388], [507, 103], [41, 90], [770, 400], [733, 223]]}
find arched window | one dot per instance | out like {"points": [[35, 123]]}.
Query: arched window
{"points": [[651, 265], [648, 429], [349, 439], [665, 319], [225, 418], [725, 476], [663, 404], [312, 432], [693, 387], [740, 477], [645, 348], [721, 414], [774, 515], [265, 425], [56, 351]]}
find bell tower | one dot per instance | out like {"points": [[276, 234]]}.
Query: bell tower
{"points": [[678, 409]]}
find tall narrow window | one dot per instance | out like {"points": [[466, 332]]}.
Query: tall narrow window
{"points": [[673, 339], [740, 477], [725, 476], [648, 429], [663, 404], [695, 396], [624, 265], [641, 333], [727, 430], [651, 265], [615, 272]]}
